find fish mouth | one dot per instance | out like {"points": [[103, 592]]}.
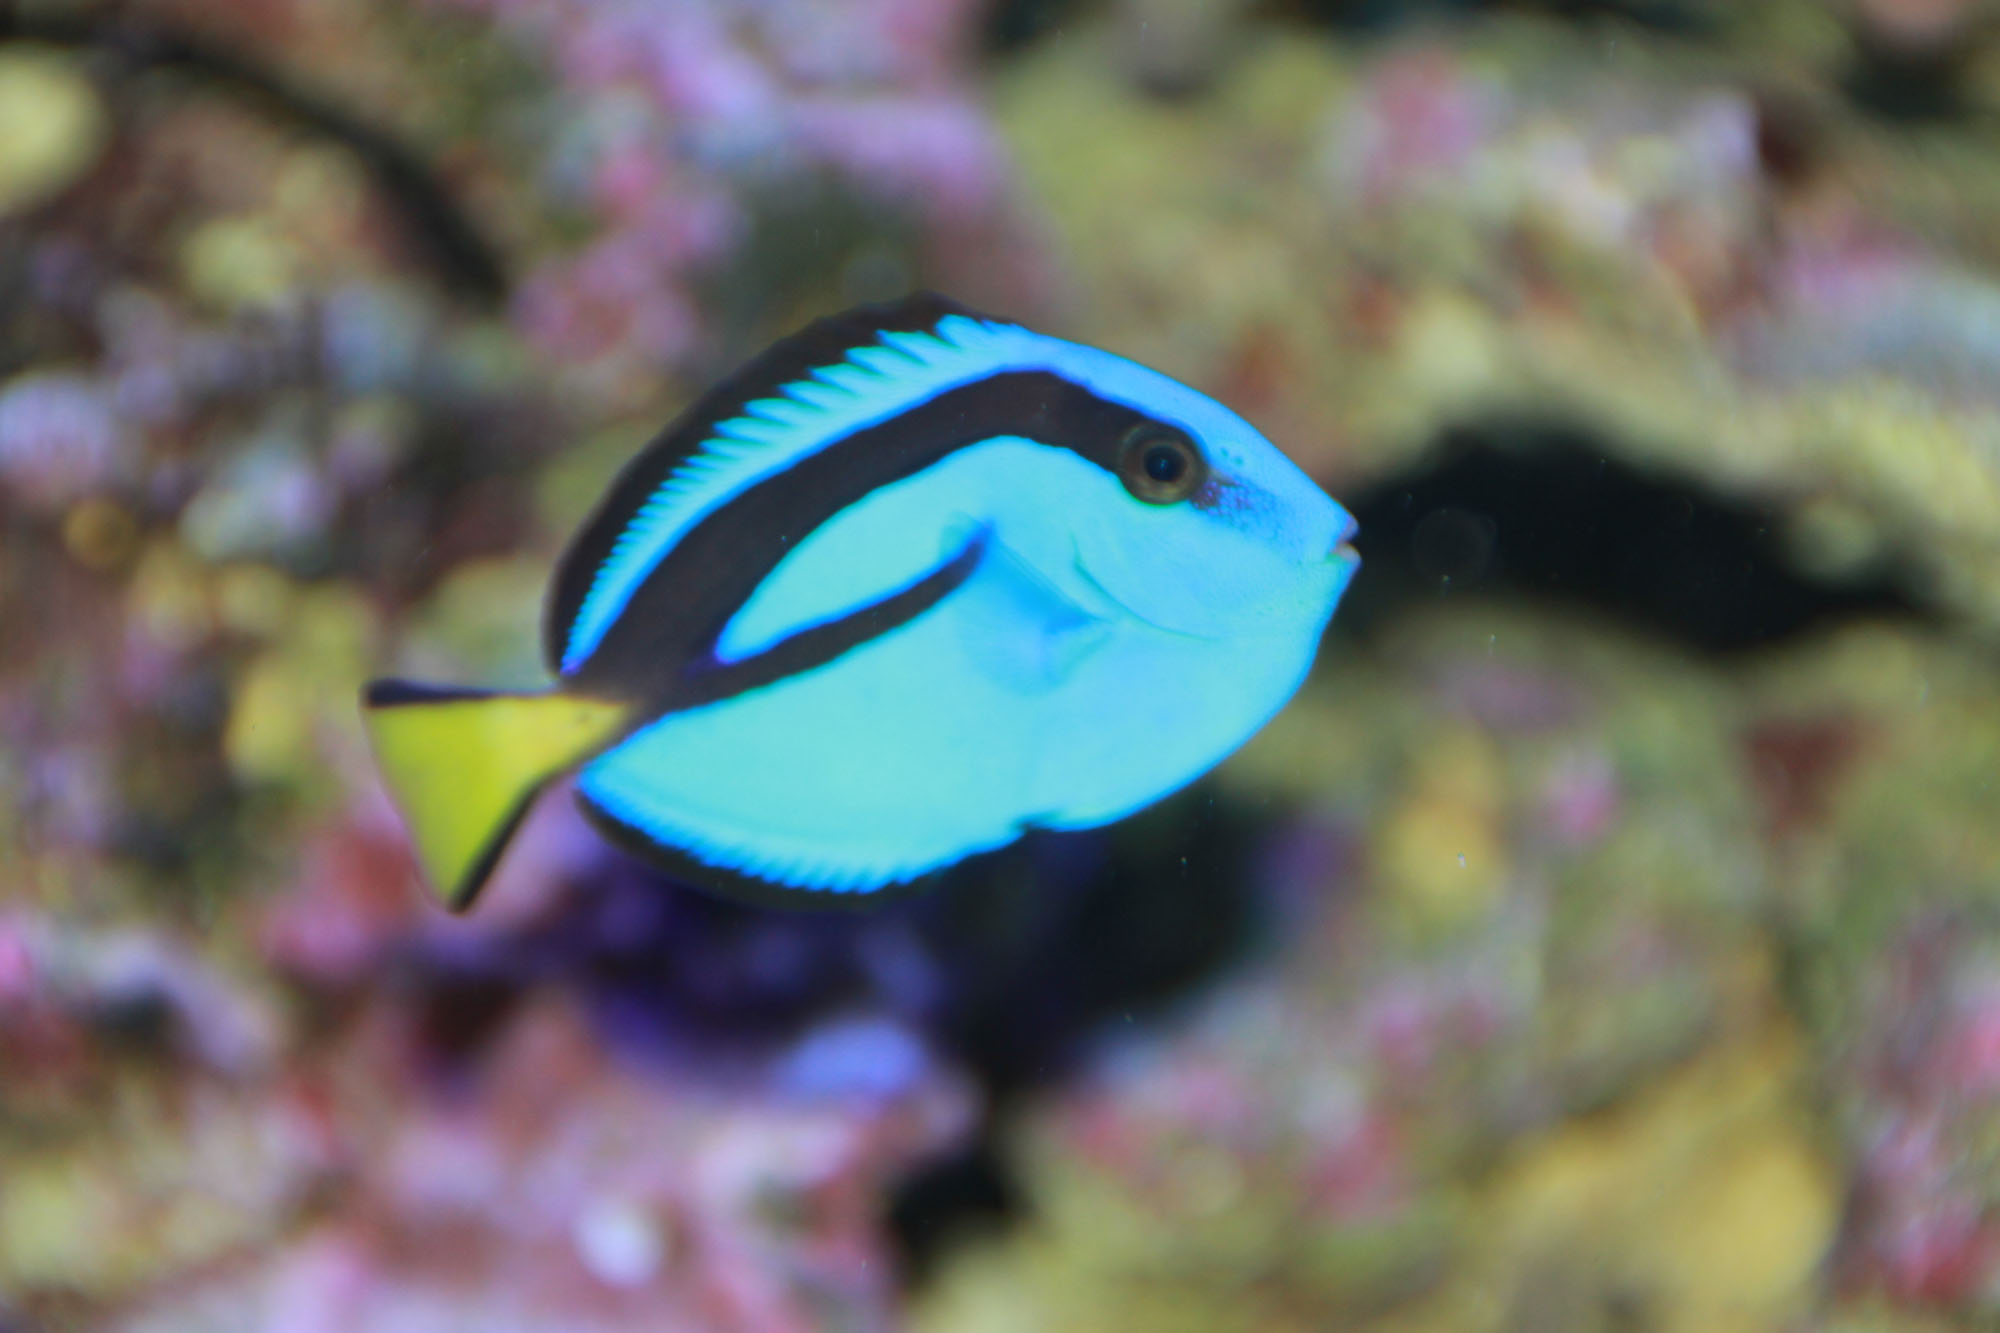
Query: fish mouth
{"points": [[1342, 550]]}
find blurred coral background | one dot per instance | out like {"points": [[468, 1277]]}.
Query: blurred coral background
{"points": [[1608, 938]]}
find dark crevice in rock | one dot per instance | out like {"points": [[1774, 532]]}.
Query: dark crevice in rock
{"points": [[1540, 513], [1080, 934], [961, 1198]]}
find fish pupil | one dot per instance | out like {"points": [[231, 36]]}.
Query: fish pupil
{"points": [[1158, 465]]}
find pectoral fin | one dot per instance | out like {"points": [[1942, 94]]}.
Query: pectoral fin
{"points": [[1019, 628]]}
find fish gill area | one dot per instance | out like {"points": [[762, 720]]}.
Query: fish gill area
{"points": [[1607, 937]]}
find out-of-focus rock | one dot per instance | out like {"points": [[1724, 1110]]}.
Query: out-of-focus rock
{"points": [[554, 1190], [53, 126], [1603, 983]]}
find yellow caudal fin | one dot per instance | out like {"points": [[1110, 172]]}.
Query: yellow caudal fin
{"points": [[464, 767]]}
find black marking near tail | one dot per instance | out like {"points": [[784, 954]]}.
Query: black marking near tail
{"points": [[393, 693], [466, 891]]}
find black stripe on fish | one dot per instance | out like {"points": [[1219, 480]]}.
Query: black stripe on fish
{"points": [[394, 693], [820, 644], [825, 342], [662, 642]]}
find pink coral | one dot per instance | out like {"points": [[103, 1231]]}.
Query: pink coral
{"points": [[1420, 117], [1922, 1227], [569, 1193], [675, 110]]}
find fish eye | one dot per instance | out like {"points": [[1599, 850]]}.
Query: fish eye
{"points": [[1160, 465]]}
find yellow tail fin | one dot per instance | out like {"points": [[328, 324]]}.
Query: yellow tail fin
{"points": [[465, 765]]}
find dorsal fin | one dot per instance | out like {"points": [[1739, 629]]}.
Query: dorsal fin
{"points": [[655, 496]]}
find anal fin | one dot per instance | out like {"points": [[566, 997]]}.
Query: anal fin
{"points": [[1020, 629]]}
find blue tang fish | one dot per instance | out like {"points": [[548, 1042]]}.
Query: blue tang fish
{"points": [[912, 582]]}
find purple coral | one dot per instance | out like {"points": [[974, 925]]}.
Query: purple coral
{"points": [[60, 438]]}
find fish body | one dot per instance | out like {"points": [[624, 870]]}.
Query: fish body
{"points": [[909, 584]]}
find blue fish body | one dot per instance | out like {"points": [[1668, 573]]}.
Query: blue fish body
{"points": [[912, 583]]}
